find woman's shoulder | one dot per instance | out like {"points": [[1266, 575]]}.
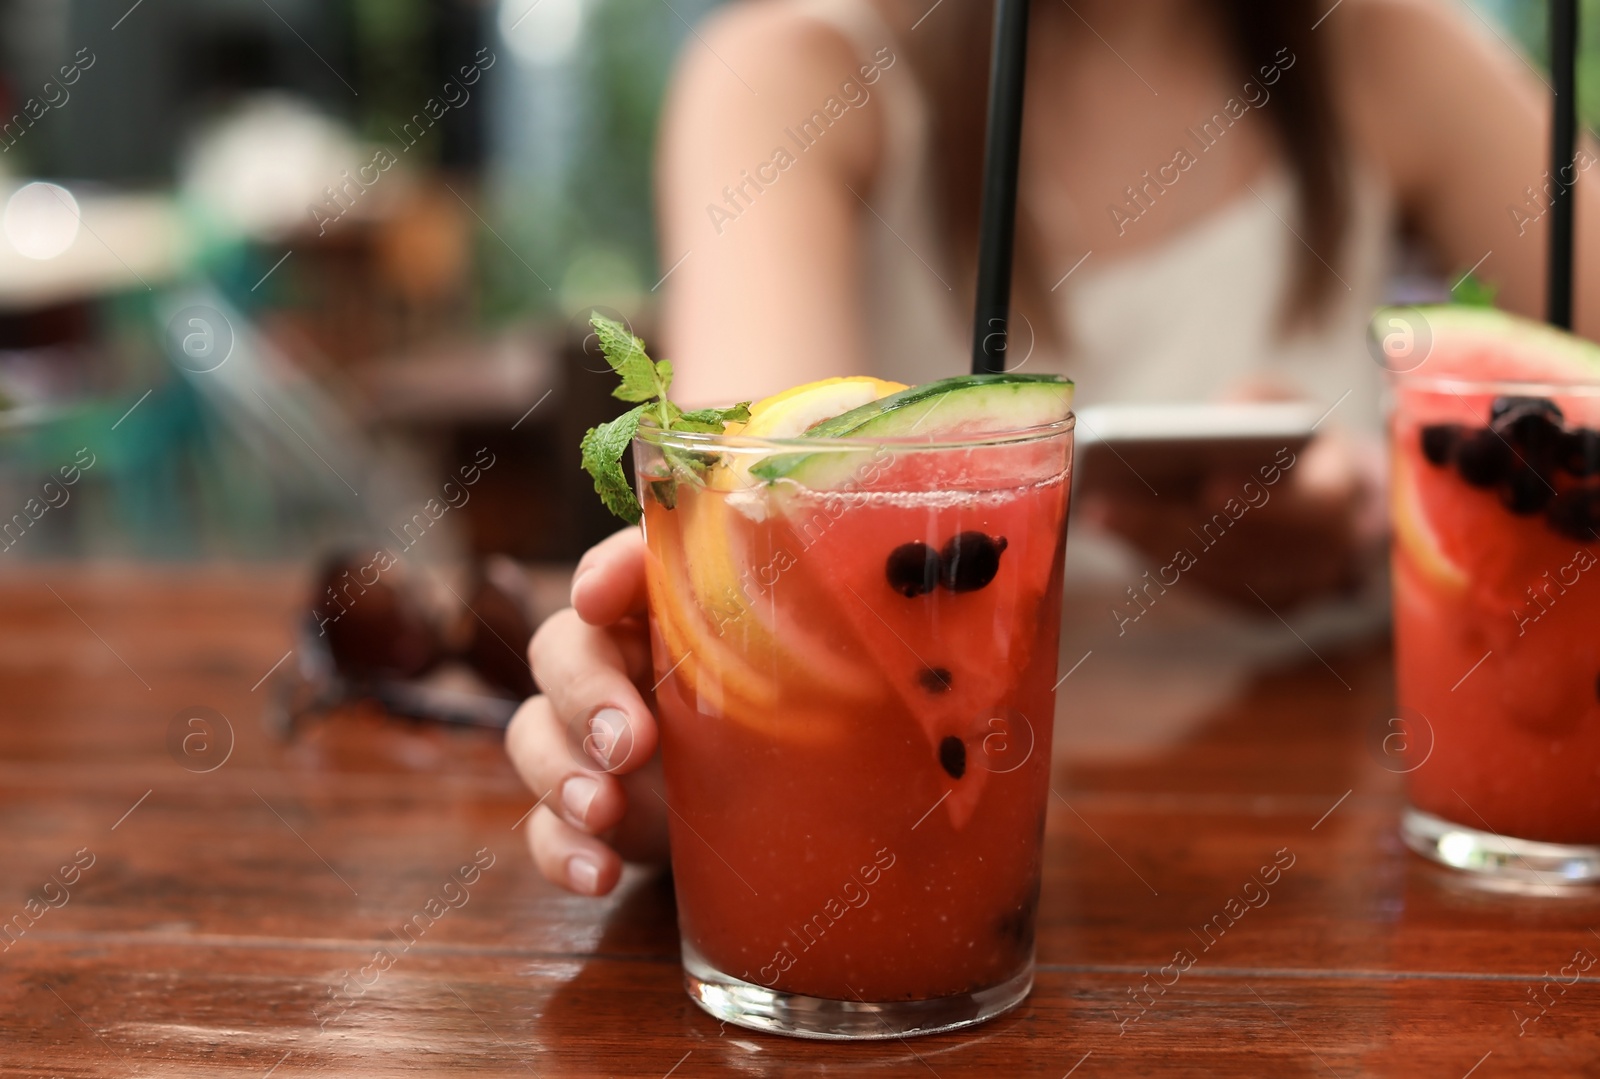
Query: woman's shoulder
{"points": [[1375, 36], [788, 44], [1414, 52], [753, 70], [1409, 73]]}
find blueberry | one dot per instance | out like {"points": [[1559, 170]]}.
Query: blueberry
{"points": [[1509, 408], [1438, 441], [1526, 492], [913, 569], [1483, 459], [1576, 514], [1580, 452], [953, 756], [970, 561], [1538, 440], [1533, 427], [935, 679]]}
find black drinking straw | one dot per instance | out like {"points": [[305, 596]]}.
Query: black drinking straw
{"points": [[1563, 138], [997, 218]]}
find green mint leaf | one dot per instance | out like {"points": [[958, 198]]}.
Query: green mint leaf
{"points": [[1474, 291], [644, 384], [616, 342], [720, 416], [638, 380], [691, 461], [602, 448], [625, 353]]}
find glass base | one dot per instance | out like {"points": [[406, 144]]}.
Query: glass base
{"points": [[1526, 863], [754, 1006]]}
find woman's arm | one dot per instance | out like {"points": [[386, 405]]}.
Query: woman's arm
{"points": [[768, 296], [1462, 126]]}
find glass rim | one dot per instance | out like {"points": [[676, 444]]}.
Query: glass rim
{"points": [[651, 435], [1509, 387]]}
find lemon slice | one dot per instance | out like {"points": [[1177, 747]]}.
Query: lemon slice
{"points": [[728, 680], [1415, 537], [718, 560], [792, 413], [731, 654]]}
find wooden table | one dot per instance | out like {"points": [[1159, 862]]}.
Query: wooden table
{"points": [[223, 910]]}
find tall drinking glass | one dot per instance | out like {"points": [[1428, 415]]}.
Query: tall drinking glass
{"points": [[855, 643], [1497, 604]]}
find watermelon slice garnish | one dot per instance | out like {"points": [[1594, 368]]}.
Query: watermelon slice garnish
{"points": [[953, 658], [1494, 485], [788, 578], [1480, 343], [939, 561]]}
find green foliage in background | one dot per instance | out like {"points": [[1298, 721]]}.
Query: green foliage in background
{"points": [[390, 45], [593, 229], [629, 68], [1526, 23]]}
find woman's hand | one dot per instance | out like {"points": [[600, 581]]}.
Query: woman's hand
{"points": [[1313, 534], [587, 745]]}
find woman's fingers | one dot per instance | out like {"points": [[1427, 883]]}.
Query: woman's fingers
{"points": [[609, 582], [1152, 525], [559, 772], [586, 747], [584, 674], [569, 858], [585, 823], [1254, 542]]}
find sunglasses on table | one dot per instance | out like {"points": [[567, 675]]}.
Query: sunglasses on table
{"points": [[370, 635]]}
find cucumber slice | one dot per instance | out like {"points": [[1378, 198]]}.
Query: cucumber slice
{"points": [[959, 407]]}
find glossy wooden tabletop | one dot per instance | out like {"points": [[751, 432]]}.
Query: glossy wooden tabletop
{"points": [[225, 922]]}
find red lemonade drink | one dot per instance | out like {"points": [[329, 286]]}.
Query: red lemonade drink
{"points": [[855, 629], [1496, 564]]}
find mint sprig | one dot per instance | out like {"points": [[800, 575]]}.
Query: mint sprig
{"points": [[644, 383], [1474, 291]]}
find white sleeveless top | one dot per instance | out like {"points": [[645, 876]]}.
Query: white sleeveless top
{"points": [[1184, 321], [1187, 320]]}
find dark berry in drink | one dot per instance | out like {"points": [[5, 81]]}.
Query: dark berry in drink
{"points": [[1439, 442], [1483, 459], [970, 561], [1526, 492], [953, 756], [1017, 924], [1536, 437], [935, 679], [1581, 452], [1508, 408], [913, 569], [1576, 514]]}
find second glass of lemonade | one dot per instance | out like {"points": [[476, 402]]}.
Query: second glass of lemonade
{"points": [[1496, 504], [856, 643]]}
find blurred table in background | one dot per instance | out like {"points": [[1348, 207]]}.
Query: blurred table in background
{"points": [[229, 921]]}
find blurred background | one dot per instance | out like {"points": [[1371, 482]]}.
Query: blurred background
{"points": [[275, 272], [303, 261]]}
